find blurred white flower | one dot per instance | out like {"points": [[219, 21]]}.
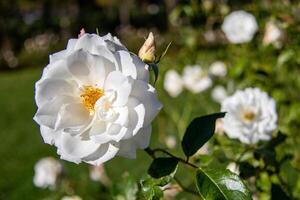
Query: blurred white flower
{"points": [[273, 35], [233, 167], [98, 173], [218, 93], [47, 172], [173, 83], [75, 197], [195, 79], [204, 150], [218, 68], [94, 101], [251, 116], [219, 127], [239, 26], [171, 191], [171, 141]]}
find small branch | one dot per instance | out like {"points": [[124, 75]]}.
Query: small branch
{"points": [[152, 152], [185, 188], [178, 158]]}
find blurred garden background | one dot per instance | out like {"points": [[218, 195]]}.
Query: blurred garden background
{"points": [[31, 30]]}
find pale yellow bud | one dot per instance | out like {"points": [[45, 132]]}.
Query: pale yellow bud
{"points": [[147, 51]]}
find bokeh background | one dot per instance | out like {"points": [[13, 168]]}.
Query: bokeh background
{"points": [[31, 30]]}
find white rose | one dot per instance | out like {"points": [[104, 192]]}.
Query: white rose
{"points": [[195, 79], [171, 191], [239, 26], [251, 116], [273, 34], [171, 141], [219, 93], [218, 68], [173, 83], [98, 173], [46, 173], [94, 101]]}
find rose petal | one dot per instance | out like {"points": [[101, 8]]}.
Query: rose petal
{"points": [[103, 133], [73, 148], [116, 81], [89, 42], [132, 66], [62, 54], [141, 140], [104, 153], [47, 114], [73, 117], [47, 89], [100, 68], [145, 93], [49, 135]]}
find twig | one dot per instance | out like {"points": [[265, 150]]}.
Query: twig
{"points": [[152, 152]]}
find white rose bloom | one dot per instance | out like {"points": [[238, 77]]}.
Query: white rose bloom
{"points": [[219, 93], [94, 101], [195, 79], [239, 26], [218, 68], [171, 191], [173, 83], [171, 141], [233, 167], [47, 171], [251, 116], [98, 173], [273, 35]]}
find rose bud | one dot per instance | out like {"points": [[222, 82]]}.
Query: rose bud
{"points": [[147, 51]]}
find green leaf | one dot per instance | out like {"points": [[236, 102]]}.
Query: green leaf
{"points": [[199, 131], [150, 188], [125, 189], [164, 53], [155, 69], [277, 193], [221, 185], [162, 167]]}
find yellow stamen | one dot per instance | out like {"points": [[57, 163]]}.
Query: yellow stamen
{"points": [[248, 116], [89, 97]]}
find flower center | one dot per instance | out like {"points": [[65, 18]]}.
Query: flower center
{"points": [[89, 97], [248, 116]]}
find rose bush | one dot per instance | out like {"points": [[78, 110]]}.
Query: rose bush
{"points": [[94, 101]]}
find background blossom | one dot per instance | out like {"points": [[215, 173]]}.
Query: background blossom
{"points": [[251, 115], [47, 172], [239, 26], [173, 83], [196, 79]]}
